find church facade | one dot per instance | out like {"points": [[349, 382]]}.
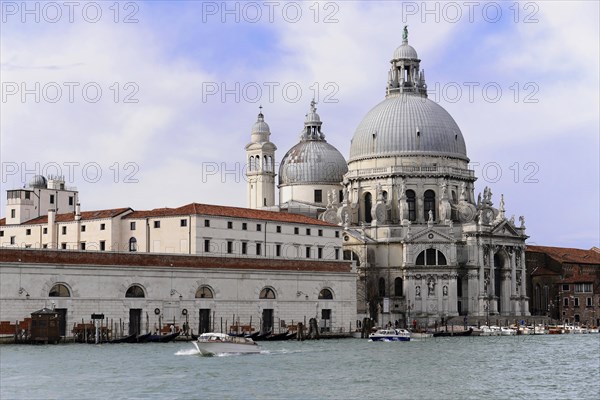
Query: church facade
{"points": [[424, 244]]}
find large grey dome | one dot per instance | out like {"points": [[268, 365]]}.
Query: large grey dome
{"points": [[310, 162], [407, 124]]}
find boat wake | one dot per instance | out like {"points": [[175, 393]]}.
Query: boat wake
{"points": [[187, 352]]}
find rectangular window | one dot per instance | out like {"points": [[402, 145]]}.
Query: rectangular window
{"points": [[566, 302], [207, 245], [157, 224], [229, 225], [82, 228], [296, 231], [244, 247], [337, 254], [278, 229], [307, 251], [102, 227], [258, 249], [588, 302], [319, 252], [82, 246], [320, 232], [45, 231], [576, 301], [307, 231], [278, 250], [229, 247], [207, 223], [51, 199], [28, 232], [318, 196], [183, 223], [258, 227], [70, 200], [13, 213], [583, 288], [13, 239], [337, 234], [45, 246], [244, 226], [565, 287], [64, 230], [27, 195], [102, 245], [132, 226], [1, 233], [63, 246]]}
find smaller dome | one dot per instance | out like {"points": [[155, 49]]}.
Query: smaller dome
{"points": [[312, 162], [260, 126], [38, 181], [260, 129], [405, 51]]}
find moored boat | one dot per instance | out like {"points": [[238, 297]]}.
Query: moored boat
{"points": [[506, 331], [162, 338], [212, 343], [490, 330], [390, 335]]}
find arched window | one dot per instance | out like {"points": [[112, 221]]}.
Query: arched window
{"points": [[59, 290], [267, 293], [204, 292], [398, 287], [135, 291], [133, 244], [368, 205], [325, 294], [258, 163], [429, 203], [381, 287], [431, 257], [251, 163], [412, 205], [454, 199]]}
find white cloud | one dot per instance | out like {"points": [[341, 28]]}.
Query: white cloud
{"points": [[172, 132]]}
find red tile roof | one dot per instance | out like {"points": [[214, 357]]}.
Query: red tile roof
{"points": [[226, 211], [71, 257], [568, 255], [543, 271], [579, 279], [85, 215]]}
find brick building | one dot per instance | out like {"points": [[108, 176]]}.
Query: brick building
{"points": [[564, 283]]}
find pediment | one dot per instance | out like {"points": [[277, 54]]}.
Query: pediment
{"points": [[504, 228], [430, 235], [353, 237]]}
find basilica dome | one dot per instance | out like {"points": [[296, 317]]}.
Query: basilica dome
{"points": [[312, 160], [407, 123]]}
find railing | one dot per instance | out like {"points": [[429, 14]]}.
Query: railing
{"points": [[413, 169]]}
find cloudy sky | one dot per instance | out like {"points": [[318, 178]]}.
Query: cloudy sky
{"points": [[150, 104]]}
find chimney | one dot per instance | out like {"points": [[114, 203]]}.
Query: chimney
{"points": [[77, 212], [52, 229]]}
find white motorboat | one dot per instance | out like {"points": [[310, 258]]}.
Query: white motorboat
{"points": [[490, 330], [220, 343], [506, 331], [390, 335], [593, 329], [421, 335]]}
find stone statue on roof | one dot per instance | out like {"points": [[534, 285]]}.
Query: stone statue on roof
{"points": [[405, 33]]}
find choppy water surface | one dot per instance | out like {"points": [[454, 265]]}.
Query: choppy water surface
{"points": [[522, 367]]}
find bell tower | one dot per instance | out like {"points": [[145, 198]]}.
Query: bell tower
{"points": [[260, 167]]}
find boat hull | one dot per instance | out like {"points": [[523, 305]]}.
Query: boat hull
{"points": [[212, 348]]}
